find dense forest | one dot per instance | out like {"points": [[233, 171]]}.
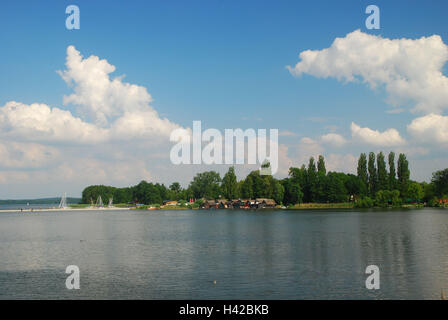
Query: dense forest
{"points": [[375, 184]]}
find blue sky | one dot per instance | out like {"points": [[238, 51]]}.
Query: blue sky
{"points": [[222, 62]]}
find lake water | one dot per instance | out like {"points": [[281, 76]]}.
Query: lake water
{"points": [[250, 254]]}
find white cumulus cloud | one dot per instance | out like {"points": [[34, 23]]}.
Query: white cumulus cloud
{"points": [[388, 138], [111, 138], [39, 122], [110, 110], [96, 95], [409, 69], [432, 128], [334, 139]]}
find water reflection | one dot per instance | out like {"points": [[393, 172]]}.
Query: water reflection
{"points": [[225, 254]]}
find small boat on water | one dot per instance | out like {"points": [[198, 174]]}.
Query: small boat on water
{"points": [[63, 203], [99, 202]]}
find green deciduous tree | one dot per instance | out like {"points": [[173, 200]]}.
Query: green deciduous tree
{"points": [[278, 191], [206, 185], [395, 196], [292, 192], [440, 181], [415, 192], [175, 186], [429, 191], [382, 198], [229, 185], [246, 189], [259, 185], [336, 191], [354, 186], [298, 175]]}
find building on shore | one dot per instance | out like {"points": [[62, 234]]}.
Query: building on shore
{"points": [[238, 204], [265, 203], [170, 203]]}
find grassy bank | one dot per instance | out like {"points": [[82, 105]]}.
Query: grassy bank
{"points": [[86, 205], [346, 205], [303, 206], [78, 205]]}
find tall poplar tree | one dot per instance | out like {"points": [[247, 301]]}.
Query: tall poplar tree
{"points": [[392, 173], [403, 174], [321, 166], [383, 181], [373, 177], [311, 189], [362, 170]]}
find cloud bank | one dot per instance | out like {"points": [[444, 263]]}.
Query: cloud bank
{"points": [[112, 137], [410, 70]]}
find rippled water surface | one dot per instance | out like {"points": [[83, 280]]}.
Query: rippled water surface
{"points": [[224, 254]]}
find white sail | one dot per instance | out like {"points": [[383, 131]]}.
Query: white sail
{"points": [[99, 202], [63, 203], [111, 200]]}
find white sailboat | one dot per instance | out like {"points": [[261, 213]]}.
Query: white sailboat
{"points": [[99, 202], [111, 200], [63, 203]]}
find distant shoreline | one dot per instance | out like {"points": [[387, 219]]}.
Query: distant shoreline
{"points": [[32, 210], [38, 201], [298, 207]]}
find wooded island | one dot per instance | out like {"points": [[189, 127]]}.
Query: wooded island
{"points": [[375, 184]]}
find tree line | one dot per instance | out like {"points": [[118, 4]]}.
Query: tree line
{"points": [[374, 184]]}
